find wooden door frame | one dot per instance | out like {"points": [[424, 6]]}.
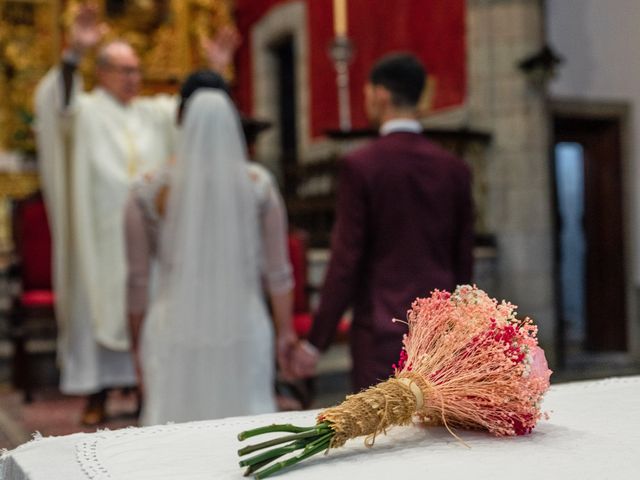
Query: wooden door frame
{"points": [[585, 109]]}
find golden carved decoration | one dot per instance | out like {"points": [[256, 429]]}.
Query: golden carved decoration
{"points": [[13, 186], [18, 184], [165, 33], [29, 42]]}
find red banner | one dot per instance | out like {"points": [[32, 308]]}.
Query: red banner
{"points": [[434, 30]]}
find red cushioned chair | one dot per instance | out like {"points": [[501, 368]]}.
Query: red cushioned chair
{"points": [[32, 313], [297, 255]]}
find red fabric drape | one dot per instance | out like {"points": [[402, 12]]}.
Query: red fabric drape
{"points": [[434, 30]]}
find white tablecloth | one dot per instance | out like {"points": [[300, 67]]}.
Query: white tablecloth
{"points": [[593, 433]]}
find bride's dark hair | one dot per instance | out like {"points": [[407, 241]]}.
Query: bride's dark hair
{"points": [[197, 80]]}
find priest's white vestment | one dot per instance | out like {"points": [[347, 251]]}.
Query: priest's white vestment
{"points": [[89, 152]]}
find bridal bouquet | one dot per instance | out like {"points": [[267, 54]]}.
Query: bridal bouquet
{"points": [[467, 362]]}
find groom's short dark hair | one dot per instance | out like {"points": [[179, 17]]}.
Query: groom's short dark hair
{"points": [[403, 75]]}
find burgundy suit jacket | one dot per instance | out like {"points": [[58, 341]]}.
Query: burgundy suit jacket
{"points": [[404, 226]]}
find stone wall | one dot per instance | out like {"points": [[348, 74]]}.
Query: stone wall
{"points": [[500, 33]]}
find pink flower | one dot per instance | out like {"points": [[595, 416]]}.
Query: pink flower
{"points": [[539, 366], [482, 364]]}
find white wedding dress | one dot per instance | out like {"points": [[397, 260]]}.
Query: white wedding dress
{"points": [[208, 341]]}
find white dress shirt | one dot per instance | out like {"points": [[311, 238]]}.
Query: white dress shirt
{"points": [[400, 125]]}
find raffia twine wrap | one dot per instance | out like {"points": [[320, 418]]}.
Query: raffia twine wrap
{"points": [[372, 411]]}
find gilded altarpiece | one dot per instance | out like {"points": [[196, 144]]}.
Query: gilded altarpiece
{"points": [[165, 33]]}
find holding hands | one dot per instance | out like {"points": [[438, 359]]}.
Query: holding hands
{"points": [[304, 360], [297, 358]]}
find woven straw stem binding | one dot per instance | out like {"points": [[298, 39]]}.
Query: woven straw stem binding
{"points": [[372, 411]]}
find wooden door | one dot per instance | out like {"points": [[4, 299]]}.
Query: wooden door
{"points": [[605, 309]]}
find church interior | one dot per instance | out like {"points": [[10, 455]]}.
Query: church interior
{"points": [[538, 97]]}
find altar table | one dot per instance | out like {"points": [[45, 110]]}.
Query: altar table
{"points": [[593, 432]]}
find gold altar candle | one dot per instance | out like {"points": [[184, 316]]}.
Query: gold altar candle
{"points": [[340, 18]]}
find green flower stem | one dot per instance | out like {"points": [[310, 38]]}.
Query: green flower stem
{"points": [[306, 453], [257, 466], [320, 441], [310, 440], [292, 447], [313, 432], [287, 427]]}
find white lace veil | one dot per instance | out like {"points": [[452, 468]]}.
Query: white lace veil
{"points": [[208, 249]]}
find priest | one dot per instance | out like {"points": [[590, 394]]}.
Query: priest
{"points": [[91, 147]]}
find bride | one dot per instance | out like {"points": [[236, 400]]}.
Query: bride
{"points": [[208, 342]]}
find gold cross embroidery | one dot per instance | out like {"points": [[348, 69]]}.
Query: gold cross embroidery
{"points": [[133, 160]]}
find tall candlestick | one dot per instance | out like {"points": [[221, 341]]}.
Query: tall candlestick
{"points": [[340, 18], [341, 51]]}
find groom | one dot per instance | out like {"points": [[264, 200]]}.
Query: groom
{"points": [[403, 228]]}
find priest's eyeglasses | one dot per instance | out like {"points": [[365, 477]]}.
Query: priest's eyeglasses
{"points": [[124, 70]]}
